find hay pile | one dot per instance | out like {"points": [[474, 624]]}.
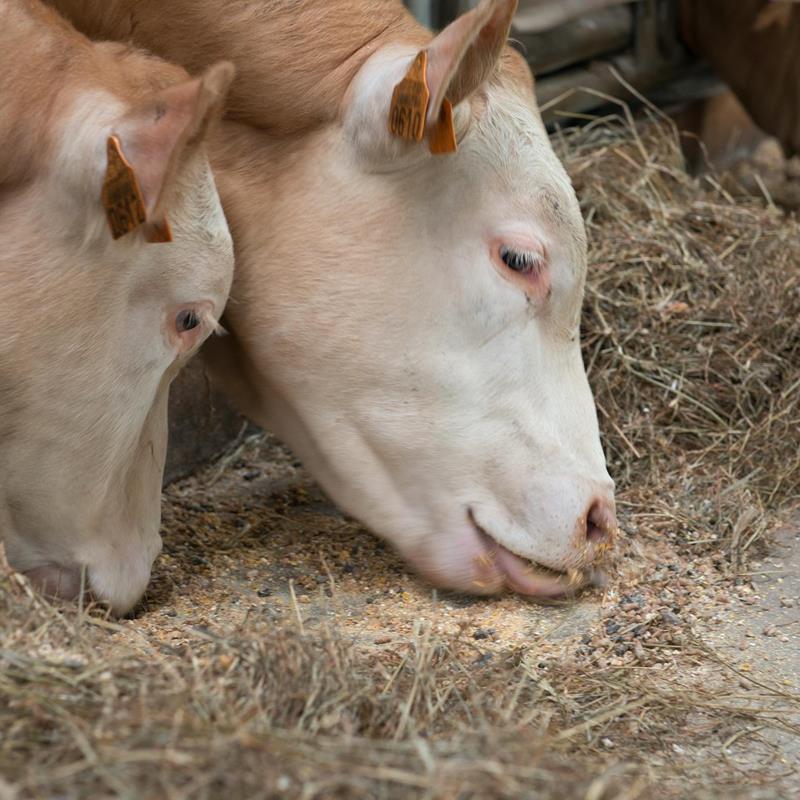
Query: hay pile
{"points": [[265, 711], [692, 338]]}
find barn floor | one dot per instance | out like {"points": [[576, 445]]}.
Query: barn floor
{"points": [[673, 681], [282, 651], [276, 546]]}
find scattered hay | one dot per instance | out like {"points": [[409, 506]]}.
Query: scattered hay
{"points": [[692, 339], [265, 712]]}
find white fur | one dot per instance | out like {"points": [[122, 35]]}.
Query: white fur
{"points": [[417, 382], [86, 362]]}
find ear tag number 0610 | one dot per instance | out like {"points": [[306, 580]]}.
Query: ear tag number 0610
{"points": [[410, 102], [409, 110], [121, 195]]}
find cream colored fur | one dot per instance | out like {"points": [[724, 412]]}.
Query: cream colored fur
{"points": [[88, 344]]}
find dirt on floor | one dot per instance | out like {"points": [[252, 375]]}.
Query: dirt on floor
{"points": [[283, 651]]}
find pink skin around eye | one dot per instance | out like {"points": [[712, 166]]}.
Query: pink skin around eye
{"points": [[201, 313], [536, 282]]}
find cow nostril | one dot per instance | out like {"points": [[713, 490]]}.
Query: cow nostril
{"points": [[601, 524]]}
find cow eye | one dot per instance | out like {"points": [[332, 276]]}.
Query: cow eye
{"points": [[522, 261], [186, 320]]}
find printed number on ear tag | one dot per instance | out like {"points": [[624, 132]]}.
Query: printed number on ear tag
{"points": [[410, 102], [121, 195]]}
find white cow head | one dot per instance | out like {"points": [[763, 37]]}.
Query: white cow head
{"points": [[92, 330], [410, 322]]}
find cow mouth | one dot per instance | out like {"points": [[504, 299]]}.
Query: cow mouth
{"points": [[523, 576]]}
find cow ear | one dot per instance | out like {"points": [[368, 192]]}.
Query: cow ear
{"points": [[154, 136], [466, 52]]}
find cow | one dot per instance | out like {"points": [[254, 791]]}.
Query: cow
{"points": [[102, 163], [753, 45], [407, 320]]}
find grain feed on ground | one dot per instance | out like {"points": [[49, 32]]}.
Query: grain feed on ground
{"points": [[282, 651]]}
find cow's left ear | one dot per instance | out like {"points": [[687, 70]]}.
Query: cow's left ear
{"points": [[153, 137], [464, 55]]}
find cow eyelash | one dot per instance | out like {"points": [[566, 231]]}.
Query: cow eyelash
{"points": [[186, 321], [521, 261]]}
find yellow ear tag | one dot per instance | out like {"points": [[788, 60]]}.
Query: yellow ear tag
{"points": [[409, 110], [410, 102], [121, 195], [443, 134]]}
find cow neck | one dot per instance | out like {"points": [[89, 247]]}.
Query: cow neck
{"points": [[294, 61], [38, 55]]}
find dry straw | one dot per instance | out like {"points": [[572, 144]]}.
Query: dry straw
{"points": [[692, 335]]}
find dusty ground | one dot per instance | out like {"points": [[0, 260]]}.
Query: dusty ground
{"points": [[282, 651], [254, 535], [762, 637], [675, 681]]}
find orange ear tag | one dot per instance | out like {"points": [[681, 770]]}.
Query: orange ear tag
{"points": [[442, 138], [158, 232], [410, 102], [409, 110], [121, 195]]}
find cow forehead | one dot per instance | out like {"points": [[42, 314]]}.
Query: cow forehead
{"points": [[507, 136], [509, 131], [196, 204]]}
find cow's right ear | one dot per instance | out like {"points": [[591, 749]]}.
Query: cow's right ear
{"points": [[152, 139], [398, 99], [464, 55]]}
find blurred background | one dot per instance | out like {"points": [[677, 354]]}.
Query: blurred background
{"points": [[583, 51], [725, 72]]}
